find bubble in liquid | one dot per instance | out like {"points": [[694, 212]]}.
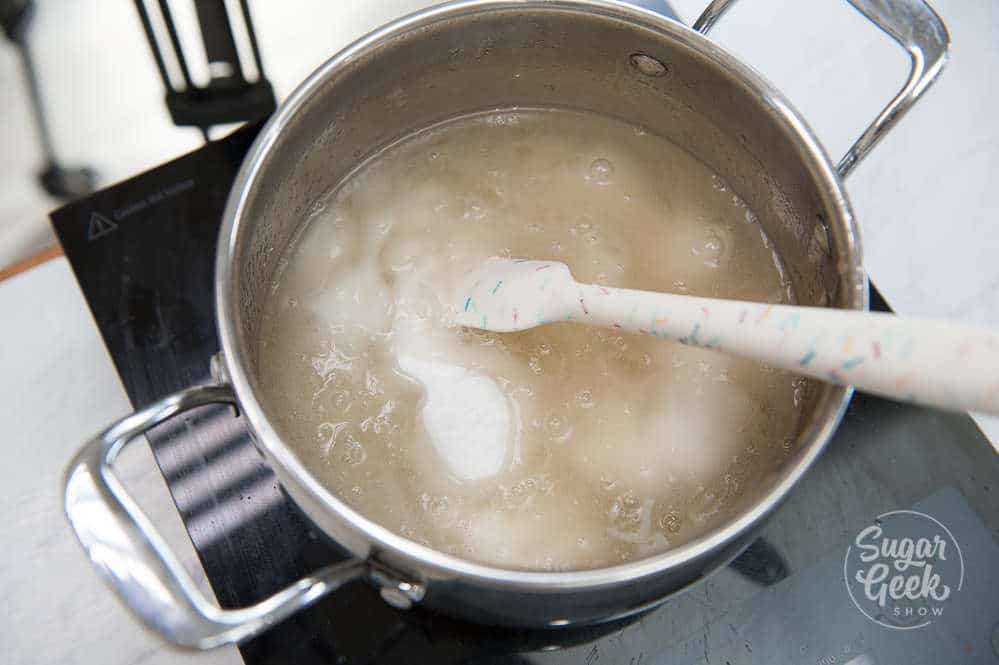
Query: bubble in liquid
{"points": [[601, 172], [544, 349], [327, 434], [353, 453], [712, 248], [630, 520], [718, 183], [627, 508], [433, 156], [522, 493], [338, 441], [584, 398], [671, 521], [558, 427], [730, 487], [439, 509]]}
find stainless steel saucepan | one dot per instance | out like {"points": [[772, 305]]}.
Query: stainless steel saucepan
{"points": [[447, 61]]}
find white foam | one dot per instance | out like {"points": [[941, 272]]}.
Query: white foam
{"points": [[465, 415]]}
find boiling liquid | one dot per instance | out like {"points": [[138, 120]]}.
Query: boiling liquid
{"points": [[562, 447]]}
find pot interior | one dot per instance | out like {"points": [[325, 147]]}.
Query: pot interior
{"points": [[606, 59]]}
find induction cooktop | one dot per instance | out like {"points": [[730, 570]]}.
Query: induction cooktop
{"points": [[805, 592]]}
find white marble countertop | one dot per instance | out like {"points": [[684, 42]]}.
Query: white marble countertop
{"points": [[923, 199]]}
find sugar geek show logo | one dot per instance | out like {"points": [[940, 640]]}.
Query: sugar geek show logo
{"points": [[902, 570]]}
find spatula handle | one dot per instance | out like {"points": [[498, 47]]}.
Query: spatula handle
{"points": [[938, 363]]}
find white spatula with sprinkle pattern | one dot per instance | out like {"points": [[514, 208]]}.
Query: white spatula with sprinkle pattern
{"points": [[937, 363]]}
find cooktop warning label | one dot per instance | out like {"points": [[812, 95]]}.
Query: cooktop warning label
{"points": [[100, 226]]}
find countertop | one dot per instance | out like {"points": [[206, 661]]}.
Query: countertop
{"points": [[923, 199]]}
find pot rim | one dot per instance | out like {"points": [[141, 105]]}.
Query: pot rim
{"points": [[830, 408]]}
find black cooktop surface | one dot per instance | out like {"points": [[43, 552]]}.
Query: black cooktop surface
{"points": [[143, 252]]}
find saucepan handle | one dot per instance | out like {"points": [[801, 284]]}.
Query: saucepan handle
{"points": [[133, 558], [915, 26]]}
